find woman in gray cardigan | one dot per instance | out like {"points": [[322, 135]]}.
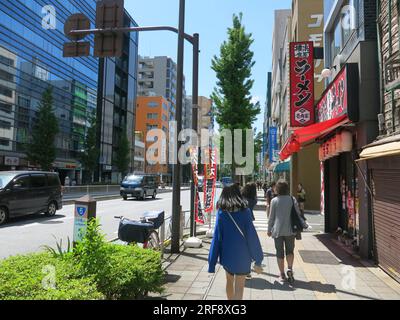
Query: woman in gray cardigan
{"points": [[280, 228]]}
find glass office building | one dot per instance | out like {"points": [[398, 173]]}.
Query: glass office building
{"points": [[117, 105], [31, 59]]}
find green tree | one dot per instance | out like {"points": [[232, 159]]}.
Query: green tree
{"points": [[42, 150], [232, 98], [258, 144], [91, 152], [122, 155]]}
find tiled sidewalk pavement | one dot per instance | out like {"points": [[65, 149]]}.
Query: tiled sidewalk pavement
{"points": [[323, 270]]}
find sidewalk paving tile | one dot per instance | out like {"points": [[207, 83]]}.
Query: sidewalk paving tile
{"points": [[319, 268]]}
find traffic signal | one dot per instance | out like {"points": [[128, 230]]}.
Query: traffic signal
{"points": [[109, 15]]}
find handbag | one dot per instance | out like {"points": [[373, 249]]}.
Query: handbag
{"points": [[297, 224]]}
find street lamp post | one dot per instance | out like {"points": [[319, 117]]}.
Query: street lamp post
{"points": [[176, 187], [195, 102]]}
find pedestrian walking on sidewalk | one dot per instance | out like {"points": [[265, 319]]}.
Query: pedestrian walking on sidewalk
{"points": [[249, 193], [301, 199], [235, 243], [280, 228], [271, 194]]}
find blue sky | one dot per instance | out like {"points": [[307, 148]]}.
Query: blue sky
{"points": [[209, 18]]}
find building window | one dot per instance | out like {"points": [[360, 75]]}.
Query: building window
{"points": [[5, 125], [4, 142], [6, 76], [5, 107], [153, 104], [6, 61], [5, 92], [152, 116]]}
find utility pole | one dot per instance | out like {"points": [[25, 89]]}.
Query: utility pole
{"points": [[176, 188], [108, 43], [195, 110]]}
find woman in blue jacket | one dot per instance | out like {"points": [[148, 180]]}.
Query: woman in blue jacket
{"points": [[235, 243]]}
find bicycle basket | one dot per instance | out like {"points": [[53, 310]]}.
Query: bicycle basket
{"points": [[157, 217], [134, 231]]}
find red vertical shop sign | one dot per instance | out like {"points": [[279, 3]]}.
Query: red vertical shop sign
{"points": [[210, 179], [198, 211], [301, 84]]}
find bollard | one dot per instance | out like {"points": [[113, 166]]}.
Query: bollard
{"points": [[85, 210]]}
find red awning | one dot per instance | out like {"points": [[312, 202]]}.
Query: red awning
{"points": [[310, 133]]}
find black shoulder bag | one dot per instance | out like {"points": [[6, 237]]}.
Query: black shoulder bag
{"points": [[297, 224]]}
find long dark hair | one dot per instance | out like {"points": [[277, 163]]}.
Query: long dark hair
{"points": [[231, 199], [249, 191]]}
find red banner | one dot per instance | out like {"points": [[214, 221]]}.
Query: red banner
{"points": [[198, 211], [301, 84], [210, 179]]}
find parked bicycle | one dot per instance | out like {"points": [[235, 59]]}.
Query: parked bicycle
{"points": [[143, 231]]}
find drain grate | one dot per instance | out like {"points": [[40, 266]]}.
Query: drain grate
{"points": [[318, 257]]}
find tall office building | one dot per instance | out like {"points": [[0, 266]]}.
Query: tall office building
{"points": [[117, 105], [157, 76], [31, 60]]}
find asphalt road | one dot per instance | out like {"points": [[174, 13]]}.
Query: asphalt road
{"points": [[29, 234]]}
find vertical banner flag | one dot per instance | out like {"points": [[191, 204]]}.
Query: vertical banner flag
{"points": [[210, 179], [301, 84], [273, 145], [198, 211]]}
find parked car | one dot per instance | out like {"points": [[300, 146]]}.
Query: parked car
{"points": [[139, 186], [29, 192]]}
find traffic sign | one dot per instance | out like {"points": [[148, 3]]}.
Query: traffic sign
{"points": [[76, 49], [77, 21], [109, 15]]}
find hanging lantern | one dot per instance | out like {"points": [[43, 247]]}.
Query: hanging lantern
{"points": [[347, 141]]}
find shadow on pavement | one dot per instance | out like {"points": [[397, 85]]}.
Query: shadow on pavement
{"points": [[33, 218], [312, 286]]}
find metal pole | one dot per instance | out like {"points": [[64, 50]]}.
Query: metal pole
{"points": [[195, 101], [176, 191]]}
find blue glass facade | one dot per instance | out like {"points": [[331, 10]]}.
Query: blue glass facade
{"points": [[31, 59]]}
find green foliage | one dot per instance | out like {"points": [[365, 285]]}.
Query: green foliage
{"points": [[258, 144], [121, 272], [132, 272], [122, 157], [95, 269], [59, 252], [232, 98], [42, 150], [29, 277], [91, 152]]}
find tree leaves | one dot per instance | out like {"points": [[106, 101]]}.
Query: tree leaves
{"points": [[42, 150]]}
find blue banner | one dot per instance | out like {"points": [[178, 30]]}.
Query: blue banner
{"points": [[273, 144]]}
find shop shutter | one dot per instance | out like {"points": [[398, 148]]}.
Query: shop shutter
{"points": [[387, 219]]}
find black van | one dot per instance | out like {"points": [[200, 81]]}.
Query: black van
{"points": [[29, 192], [139, 186]]}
